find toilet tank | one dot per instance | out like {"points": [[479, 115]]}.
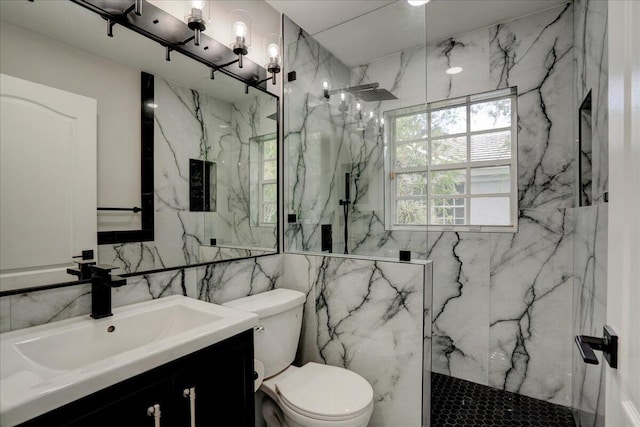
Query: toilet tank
{"points": [[277, 334]]}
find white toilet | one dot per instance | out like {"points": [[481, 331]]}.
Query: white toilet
{"points": [[313, 395]]}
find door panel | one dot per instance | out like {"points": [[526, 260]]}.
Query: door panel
{"points": [[48, 181], [623, 293]]}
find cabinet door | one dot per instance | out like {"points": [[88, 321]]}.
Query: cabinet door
{"points": [[222, 380], [130, 409]]}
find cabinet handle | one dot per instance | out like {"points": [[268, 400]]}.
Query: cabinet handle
{"points": [[154, 411], [190, 393]]}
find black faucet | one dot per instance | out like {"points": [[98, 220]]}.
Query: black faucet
{"points": [[101, 283], [85, 261]]}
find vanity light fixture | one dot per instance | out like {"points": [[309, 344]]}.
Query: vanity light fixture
{"points": [[343, 107], [196, 21], [273, 55], [417, 2], [241, 33], [454, 70], [272, 42], [325, 89]]}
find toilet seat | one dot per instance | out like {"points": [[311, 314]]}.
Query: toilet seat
{"points": [[326, 393]]}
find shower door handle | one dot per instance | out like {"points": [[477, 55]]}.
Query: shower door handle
{"points": [[608, 344]]}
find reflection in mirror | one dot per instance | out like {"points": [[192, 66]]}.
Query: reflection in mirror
{"points": [[202, 179], [196, 123]]}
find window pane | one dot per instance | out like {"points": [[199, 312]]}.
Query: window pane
{"points": [[270, 150], [491, 115], [448, 182], [447, 211], [490, 211], [411, 212], [269, 213], [269, 193], [270, 170], [412, 155], [450, 150], [491, 180], [411, 184], [491, 146], [449, 121], [411, 127]]}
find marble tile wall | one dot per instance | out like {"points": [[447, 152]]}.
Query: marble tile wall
{"points": [[591, 74], [590, 254], [193, 125], [589, 310], [217, 283], [314, 138], [367, 316], [498, 298]]}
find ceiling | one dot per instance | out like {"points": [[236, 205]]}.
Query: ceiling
{"points": [[358, 31]]}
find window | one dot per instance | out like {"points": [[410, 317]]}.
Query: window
{"points": [[268, 182], [453, 165]]}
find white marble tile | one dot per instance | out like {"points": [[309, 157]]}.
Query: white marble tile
{"points": [[530, 312], [535, 54], [36, 308], [461, 287], [591, 74], [589, 302], [222, 282], [154, 286], [469, 51], [368, 315]]}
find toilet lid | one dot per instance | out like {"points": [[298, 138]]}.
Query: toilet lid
{"points": [[326, 392]]}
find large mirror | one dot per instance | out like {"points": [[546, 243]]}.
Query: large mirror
{"points": [[208, 146]]}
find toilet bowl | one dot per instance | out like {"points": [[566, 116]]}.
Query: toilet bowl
{"points": [[317, 395], [313, 395]]}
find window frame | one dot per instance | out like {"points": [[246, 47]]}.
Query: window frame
{"points": [[262, 182], [392, 172]]}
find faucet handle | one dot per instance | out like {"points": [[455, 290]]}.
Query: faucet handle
{"points": [[117, 281], [83, 270], [103, 270], [86, 255]]}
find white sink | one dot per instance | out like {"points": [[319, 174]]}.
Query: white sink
{"points": [[44, 367]]}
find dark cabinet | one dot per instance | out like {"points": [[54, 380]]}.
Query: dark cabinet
{"points": [[214, 385]]}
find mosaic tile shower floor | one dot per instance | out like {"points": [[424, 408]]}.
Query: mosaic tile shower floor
{"points": [[456, 402]]}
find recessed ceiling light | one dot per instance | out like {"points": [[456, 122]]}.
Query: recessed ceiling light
{"points": [[454, 70], [418, 2], [152, 105]]}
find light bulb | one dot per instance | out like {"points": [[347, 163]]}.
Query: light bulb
{"points": [[325, 84], [240, 29], [342, 96], [197, 4], [371, 115], [453, 70], [417, 2], [274, 50], [358, 106]]}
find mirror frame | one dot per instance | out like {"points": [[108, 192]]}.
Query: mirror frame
{"points": [[147, 117]]}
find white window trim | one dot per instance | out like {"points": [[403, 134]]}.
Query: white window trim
{"points": [[262, 182], [389, 161]]}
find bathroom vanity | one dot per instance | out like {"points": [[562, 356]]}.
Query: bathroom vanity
{"points": [[220, 377], [174, 361]]}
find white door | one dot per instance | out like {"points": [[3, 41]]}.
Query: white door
{"points": [[47, 182], [623, 292]]}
